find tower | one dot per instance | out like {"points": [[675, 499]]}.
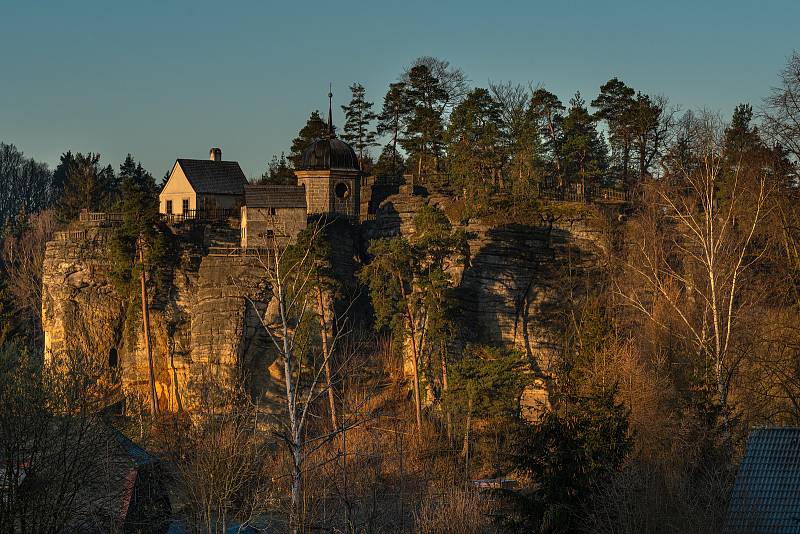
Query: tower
{"points": [[331, 174]]}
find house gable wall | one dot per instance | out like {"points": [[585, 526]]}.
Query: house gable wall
{"points": [[177, 189]]}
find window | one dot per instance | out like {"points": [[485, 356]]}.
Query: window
{"points": [[169, 207], [342, 190], [185, 206], [273, 211], [270, 234]]}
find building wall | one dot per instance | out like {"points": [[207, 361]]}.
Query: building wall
{"points": [[285, 224], [219, 202], [321, 192], [177, 189]]}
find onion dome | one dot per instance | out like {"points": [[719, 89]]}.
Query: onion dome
{"points": [[329, 152]]}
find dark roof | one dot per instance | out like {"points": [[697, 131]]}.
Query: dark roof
{"points": [[275, 196], [329, 153], [216, 177], [766, 494]]}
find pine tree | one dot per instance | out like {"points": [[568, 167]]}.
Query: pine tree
{"points": [[390, 162], [396, 109], [475, 143], [88, 186], [359, 116], [583, 150], [278, 172], [315, 128], [615, 105], [424, 138], [60, 176], [137, 250], [546, 112]]}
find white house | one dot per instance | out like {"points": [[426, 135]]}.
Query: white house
{"points": [[198, 186]]}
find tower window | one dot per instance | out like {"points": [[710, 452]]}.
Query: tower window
{"points": [[342, 191]]}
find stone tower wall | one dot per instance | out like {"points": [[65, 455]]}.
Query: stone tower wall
{"points": [[321, 192]]}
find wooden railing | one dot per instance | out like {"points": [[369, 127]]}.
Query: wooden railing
{"points": [[575, 193], [80, 235], [70, 235], [261, 252], [202, 215], [99, 216]]}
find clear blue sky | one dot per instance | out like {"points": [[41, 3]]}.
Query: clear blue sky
{"points": [[165, 79]]}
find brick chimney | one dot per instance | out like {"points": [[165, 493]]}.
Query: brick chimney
{"points": [[215, 154]]}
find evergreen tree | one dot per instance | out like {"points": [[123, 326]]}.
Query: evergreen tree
{"points": [[546, 112], [396, 109], [583, 438], [522, 145], [742, 139], [138, 248], [411, 291], [315, 128], [60, 176], [138, 205], [424, 136], [358, 117], [475, 144], [88, 186], [583, 150], [132, 176], [390, 162], [278, 172], [486, 384], [615, 105]]}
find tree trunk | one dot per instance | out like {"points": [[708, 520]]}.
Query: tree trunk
{"points": [[465, 450], [326, 355], [415, 357], [444, 389], [146, 329]]}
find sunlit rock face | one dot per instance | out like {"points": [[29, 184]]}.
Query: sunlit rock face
{"points": [[205, 334], [513, 286]]}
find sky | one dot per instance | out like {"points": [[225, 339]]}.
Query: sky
{"points": [[166, 79]]}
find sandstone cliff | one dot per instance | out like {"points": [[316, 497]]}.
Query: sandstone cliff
{"points": [[205, 335], [517, 277]]}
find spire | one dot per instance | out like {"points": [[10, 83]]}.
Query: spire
{"points": [[330, 111]]}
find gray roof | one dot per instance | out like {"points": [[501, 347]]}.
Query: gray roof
{"points": [[329, 153], [275, 196], [766, 494], [214, 177]]}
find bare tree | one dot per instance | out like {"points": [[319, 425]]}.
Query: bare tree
{"points": [[693, 253], [286, 310], [22, 256], [781, 111], [221, 461], [61, 466], [452, 79]]}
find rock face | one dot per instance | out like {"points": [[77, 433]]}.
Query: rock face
{"points": [[515, 280], [205, 334]]}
